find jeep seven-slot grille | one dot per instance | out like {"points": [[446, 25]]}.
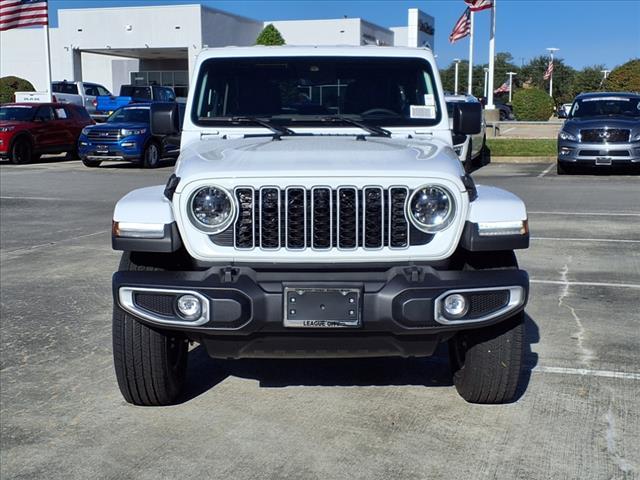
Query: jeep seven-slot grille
{"points": [[321, 218]]}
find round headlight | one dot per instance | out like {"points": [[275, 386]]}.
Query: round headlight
{"points": [[431, 208], [212, 209]]}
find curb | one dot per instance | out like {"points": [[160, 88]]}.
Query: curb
{"points": [[523, 159]]}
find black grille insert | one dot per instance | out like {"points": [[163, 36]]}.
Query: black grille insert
{"points": [[605, 135]]}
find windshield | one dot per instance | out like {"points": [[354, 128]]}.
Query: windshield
{"points": [[307, 90], [130, 115], [614, 105], [16, 113]]}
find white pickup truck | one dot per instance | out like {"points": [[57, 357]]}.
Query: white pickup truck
{"points": [[317, 209], [79, 93]]}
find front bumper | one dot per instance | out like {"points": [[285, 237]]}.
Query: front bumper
{"points": [[114, 152], [400, 308], [597, 154]]}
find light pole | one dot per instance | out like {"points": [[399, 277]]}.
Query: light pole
{"points": [[457, 62], [606, 73], [511, 74], [551, 51], [486, 77]]}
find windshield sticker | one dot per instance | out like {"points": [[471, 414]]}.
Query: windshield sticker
{"points": [[429, 99], [609, 99], [422, 111]]}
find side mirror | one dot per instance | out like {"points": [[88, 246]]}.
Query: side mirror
{"points": [[165, 119], [467, 118]]}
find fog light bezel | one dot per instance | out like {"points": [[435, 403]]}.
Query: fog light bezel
{"points": [[462, 313], [517, 298], [185, 316], [126, 299]]}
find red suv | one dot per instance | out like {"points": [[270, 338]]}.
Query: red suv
{"points": [[27, 130]]}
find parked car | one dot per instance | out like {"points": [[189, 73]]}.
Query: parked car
{"points": [[602, 130], [316, 234], [28, 130], [106, 105], [127, 136], [471, 149], [79, 93]]}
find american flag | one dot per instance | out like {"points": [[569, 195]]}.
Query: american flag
{"points": [[22, 13], [478, 5], [549, 71], [462, 28], [504, 88]]}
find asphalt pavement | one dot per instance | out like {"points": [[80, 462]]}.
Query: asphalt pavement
{"points": [[62, 416]]}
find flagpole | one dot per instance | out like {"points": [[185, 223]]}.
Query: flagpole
{"points": [[551, 50], [469, 90], [492, 50], [48, 56]]}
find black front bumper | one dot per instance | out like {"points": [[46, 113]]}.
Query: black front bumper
{"points": [[246, 308]]}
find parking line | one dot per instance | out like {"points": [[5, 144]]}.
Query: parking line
{"points": [[508, 130], [30, 198], [593, 214], [611, 240], [585, 284], [587, 372], [546, 170]]}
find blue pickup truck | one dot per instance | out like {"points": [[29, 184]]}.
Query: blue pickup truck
{"points": [[127, 135], [107, 104]]}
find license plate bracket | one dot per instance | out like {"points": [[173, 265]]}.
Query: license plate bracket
{"points": [[102, 149], [319, 307], [603, 160]]}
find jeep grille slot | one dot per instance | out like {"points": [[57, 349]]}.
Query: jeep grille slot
{"points": [[398, 223], [105, 136], [297, 218], [270, 217]]}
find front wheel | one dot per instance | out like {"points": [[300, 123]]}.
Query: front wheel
{"points": [[91, 163], [563, 169], [151, 157], [486, 362], [21, 152], [150, 364]]}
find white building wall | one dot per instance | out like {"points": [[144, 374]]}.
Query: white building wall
{"points": [[320, 32]]}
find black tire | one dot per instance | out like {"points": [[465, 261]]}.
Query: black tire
{"points": [[152, 154], [468, 161], [563, 169], [73, 154], [150, 364], [503, 116], [21, 151], [486, 362], [91, 163]]}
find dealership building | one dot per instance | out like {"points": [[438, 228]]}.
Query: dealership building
{"points": [[159, 44]]}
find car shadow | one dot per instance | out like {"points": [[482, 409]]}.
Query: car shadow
{"points": [[204, 373], [167, 162], [482, 161]]}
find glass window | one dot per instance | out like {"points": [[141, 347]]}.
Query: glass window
{"points": [[381, 90], [102, 90], [181, 78], [20, 113], [142, 93], [605, 106], [130, 115], [44, 113], [139, 78], [91, 90], [154, 78], [64, 87], [167, 78]]}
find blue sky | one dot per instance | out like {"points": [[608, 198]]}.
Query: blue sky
{"points": [[587, 32]]}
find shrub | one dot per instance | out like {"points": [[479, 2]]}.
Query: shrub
{"points": [[10, 85], [625, 78], [532, 104], [270, 36]]}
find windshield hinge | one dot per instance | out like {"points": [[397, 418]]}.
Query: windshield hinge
{"points": [[423, 133]]}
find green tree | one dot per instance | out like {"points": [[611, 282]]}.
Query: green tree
{"points": [[563, 75], [532, 104], [625, 78], [10, 85], [270, 36], [589, 79]]}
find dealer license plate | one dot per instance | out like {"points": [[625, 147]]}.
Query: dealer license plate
{"points": [[322, 307], [102, 149], [603, 161]]}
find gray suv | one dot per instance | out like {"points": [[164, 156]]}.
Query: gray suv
{"points": [[602, 130]]}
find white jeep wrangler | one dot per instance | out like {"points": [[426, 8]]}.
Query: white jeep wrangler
{"points": [[318, 209]]}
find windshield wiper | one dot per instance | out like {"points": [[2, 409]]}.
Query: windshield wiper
{"points": [[372, 129], [278, 131]]}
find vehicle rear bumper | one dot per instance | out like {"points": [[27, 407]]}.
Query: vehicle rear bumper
{"points": [[399, 309]]}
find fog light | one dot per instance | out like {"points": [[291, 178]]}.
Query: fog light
{"points": [[455, 306], [189, 307], [565, 151]]}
